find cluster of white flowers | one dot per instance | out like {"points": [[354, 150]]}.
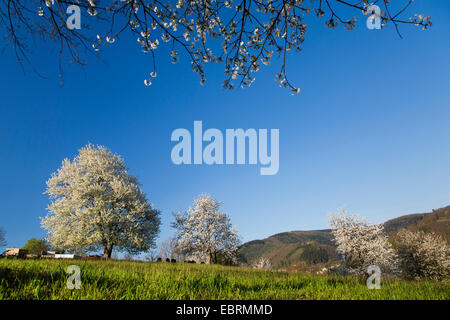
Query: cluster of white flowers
{"points": [[360, 245], [262, 263], [413, 254], [324, 270], [97, 204], [421, 20], [422, 255], [243, 34], [203, 231]]}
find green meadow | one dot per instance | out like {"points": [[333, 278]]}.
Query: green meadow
{"points": [[46, 279]]}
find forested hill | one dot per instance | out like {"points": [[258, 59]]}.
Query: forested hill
{"points": [[437, 221], [296, 248]]}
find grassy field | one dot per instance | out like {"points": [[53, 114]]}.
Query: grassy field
{"points": [[46, 279]]}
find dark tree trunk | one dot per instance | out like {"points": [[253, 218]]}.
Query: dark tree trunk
{"points": [[107, 252]]}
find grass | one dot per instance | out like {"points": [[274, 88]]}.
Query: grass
{"points": [[46, 279]]}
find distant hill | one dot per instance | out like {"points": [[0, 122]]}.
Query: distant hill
{"points": [[297, 248], [287, 248], [437, 221]]}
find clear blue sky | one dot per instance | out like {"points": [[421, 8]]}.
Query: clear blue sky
{"points": [[370, 130]]}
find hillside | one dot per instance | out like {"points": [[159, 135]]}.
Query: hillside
{"points": [[437, 221], [305, 248], [288, 248]]}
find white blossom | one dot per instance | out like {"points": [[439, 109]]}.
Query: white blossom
{"points": [[204, 231], [422, 255], [97, 204], [249, 33], [262, 263], [92, 11], [360, 245]]}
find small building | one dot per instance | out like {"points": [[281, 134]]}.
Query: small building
{"points": [[67, 256], [93, 256], [16, 252]]}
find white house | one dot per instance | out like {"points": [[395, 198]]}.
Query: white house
{"points": [[67, 256]]}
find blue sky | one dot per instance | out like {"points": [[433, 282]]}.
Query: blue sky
{"points": [[369, 130]]}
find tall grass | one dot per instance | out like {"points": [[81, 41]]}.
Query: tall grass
{"points": [[46, 279]]}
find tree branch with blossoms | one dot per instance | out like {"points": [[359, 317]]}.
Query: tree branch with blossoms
{"points": [[241, 34]]}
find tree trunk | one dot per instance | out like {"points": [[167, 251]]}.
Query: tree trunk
{"points": [[107, 252]]}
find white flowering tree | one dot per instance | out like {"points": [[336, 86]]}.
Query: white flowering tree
{"points": [[422, 255], [241, 34], [360, 245], [204, 231], [262, 263], [96, 204]]}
